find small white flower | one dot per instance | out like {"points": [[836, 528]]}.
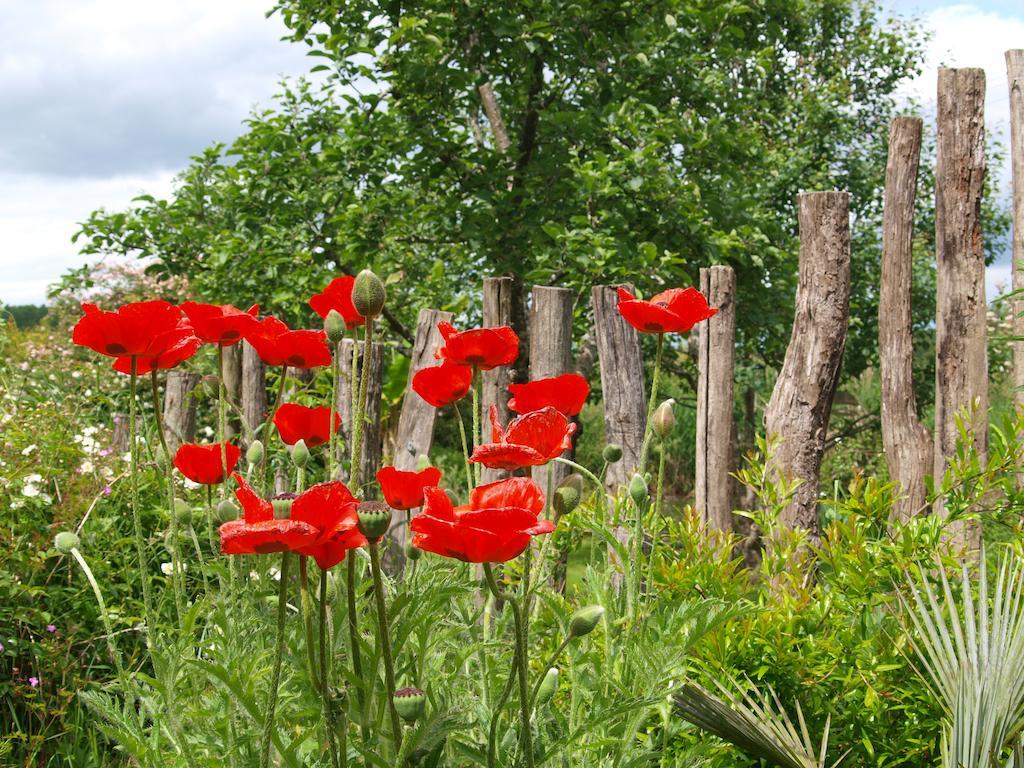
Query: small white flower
{"points": [[76, 374], [275, 574], [28, 450], [167, 569], [208, 431], [87, 467], [30, 490]]}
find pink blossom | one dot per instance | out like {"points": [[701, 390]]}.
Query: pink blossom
{"points": [[51, 628], [33, 681]]}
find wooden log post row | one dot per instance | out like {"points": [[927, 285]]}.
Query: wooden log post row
{"points": [[961, 360], [233, 388], [372, 432], [498, 297], [551, 355], [907, 442], [798, 412], [714, 343], [180, 408], [1015, 79], [622, 383], [253, 392]]}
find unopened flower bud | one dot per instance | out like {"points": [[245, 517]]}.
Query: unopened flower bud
{"points": [[638, 489], [548, 687], [567, 496], [282, 504], [413, 553], [182, 511], [226, 510], [300, 454], [612, 453], [255, 453], [65, 541], [368, 294], [332, 584], [664, 420], [334, 326], [584, 620], [409, 703], [374, 519]]}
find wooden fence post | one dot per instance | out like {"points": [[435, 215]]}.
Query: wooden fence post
{"points": [[961, 360], [1015, 77], [907, 442], [801, 403], [715, 345], [497, 311], [551, 354], [180, 408], [254, 390], [372, 433], [622, 383], [233, 387]]}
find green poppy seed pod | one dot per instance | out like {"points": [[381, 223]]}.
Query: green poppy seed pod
{"points": [[300, 454], [409, 703], [227, 510], [612, 453], [368, 294], [548, 687], [65, 541], [566, 499], [255, 453], [334, 326], [664, 420], [584, 620], [413, 553], [374, 519], [638, 489], [282, 504]]}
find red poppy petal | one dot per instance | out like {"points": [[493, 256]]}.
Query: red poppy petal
{"points": [[502, 456], [519, 492], [648, 318], [544, 431], [325, 506], [254, 508], [566, 393], [688, 304], [442, 385], [238, 537]]}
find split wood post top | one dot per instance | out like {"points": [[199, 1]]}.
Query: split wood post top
{"points": [[254, 389], [551, 353], [180, 408], [498, 310]]}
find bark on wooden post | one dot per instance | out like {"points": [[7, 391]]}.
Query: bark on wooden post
{"points": [[798, 412], [907, 442], [622, 382], [551, 353], [180, 408], [372, 434], [233, 386], [1015, 78], [961, 360], [254, 390], [498, 298], [715, 344]]}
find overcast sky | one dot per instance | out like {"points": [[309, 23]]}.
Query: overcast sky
{"points": [[101, 100]]}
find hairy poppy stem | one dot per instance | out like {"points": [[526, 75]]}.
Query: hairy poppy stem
{"points": [[325, 673], [384, 641], [140, 541], [492, 734], [477, 384], [656, 525], [544, 671], [353, 393], [651, 403], [465, 451], [353, 626], [307, 621], [111, 648], [357, 427], [275, 681], [331, 455], [266, 428], [178, 575]]}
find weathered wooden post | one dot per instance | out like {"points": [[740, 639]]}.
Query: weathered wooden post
{"points": [[372, 433], [498, 297], [180, 408], [961, 359], [233, 386], [551, 353], [1015, 78], [798, 412], [908, 445], [622, 382], [254, 390], [714, 343]]}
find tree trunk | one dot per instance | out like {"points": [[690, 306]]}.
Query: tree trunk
{"points": [[180, 408], [715, 345], [1015, 77], [908, 445], [622, 383], [798, 413], [254, 391], [961, 362], [498, 309], [551, 354]]}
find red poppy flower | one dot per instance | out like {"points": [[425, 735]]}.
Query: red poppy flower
{"points": [[444, 384], [299, 422], [404, 490], [483, 348], [566, 394], [676, 310], [154, 333], [494, 527], [277, 344], [259, 532], [205, 463], [530, 440], [331, 509], [338, 296], [220, 324]]}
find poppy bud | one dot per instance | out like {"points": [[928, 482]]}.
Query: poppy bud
{"points": [[255, 453], [584, 620], [282, 504], [182, 511], [368, 294], [612, 453], [374, 519], [638, 489], [664, 420], [413, 553], [565, 500], [334, 326], [409, 703], [65, 541], [300, 454], [226, 510], [548, 687], [332, 584]]}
